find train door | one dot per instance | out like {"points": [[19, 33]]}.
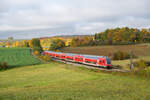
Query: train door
{"points": [[104, 62], [101, 62]]}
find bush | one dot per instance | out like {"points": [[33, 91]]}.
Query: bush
{"points": [[37, 53], [141, 68], [57, 44], [37, 49], [140, 65], [46, 58], [3, 65], [120, 55]]}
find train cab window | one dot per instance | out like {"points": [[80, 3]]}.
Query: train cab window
{"points": [[108, 61], [103, 61]]}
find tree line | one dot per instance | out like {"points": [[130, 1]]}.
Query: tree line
{"points": [[123, 35], [114, 36]]}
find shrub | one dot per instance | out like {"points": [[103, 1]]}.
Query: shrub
{"points": [[3, 65], [37, 53], [37, 49], [120, 55], [46, 58], [57, 44], [140, 65], [141, 68]]}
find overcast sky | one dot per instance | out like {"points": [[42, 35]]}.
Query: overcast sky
{"points": [[40, 18]]}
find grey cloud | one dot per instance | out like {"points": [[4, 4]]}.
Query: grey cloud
{"points": [[37, 18]]}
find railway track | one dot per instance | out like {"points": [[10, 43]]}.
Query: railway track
{"points": [[113, 69]]}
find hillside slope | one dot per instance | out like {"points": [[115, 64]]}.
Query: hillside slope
{"points": [[57, 81]]}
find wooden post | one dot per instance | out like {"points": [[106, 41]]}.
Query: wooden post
{"points": [[131, 61]]}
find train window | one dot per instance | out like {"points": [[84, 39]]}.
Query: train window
{"points": [[103, 61], [90, 62], [81, 58], [69, 58]]}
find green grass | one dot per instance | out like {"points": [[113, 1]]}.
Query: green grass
{"points": [[58, 81], [17, 57], [125, 63]]}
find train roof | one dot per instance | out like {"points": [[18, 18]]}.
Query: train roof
{"points": [[84, 55], [71, 54], [94, 57]]}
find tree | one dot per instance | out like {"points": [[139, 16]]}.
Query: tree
{"points": [[17, 44], [30, 43], [35, 43], [8, 44], [75, 42], [57, 44], [123, 35], [25, 43]]}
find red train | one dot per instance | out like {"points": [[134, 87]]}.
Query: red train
{"points": [[99, 61]]}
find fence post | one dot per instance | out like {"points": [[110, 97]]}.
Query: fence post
{"points": [[131, 61]]}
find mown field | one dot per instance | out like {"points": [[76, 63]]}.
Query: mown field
{"points": [[17, 57], [57, 81]]}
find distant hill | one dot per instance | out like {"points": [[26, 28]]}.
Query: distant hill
{"points": [[63, 36]]}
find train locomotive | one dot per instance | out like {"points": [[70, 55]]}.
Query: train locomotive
{"points": [[98, 61]]}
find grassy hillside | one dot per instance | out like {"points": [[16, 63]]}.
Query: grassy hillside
{"points": [[17, 57], [57, 81], [139, 50]]}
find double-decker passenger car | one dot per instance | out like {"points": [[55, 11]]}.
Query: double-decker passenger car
{"points": [[98, 61]]}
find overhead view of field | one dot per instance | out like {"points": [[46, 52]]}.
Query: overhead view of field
{"points": [[57, 81], [17, 57]]}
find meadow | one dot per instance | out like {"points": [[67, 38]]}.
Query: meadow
{"points": [[58, 81], [17, 57]]}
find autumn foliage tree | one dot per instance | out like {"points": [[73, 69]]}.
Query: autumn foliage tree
{"points": [[23, 43], [35, 45], [57, 44], [81, 41], [123, 35]]}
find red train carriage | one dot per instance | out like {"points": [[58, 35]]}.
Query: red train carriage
{"points": [[91, 60], [79, 58], [86, 59], [62, 56], [70, 57]]}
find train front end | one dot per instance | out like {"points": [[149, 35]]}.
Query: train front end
{"points": [[109, 64]]}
